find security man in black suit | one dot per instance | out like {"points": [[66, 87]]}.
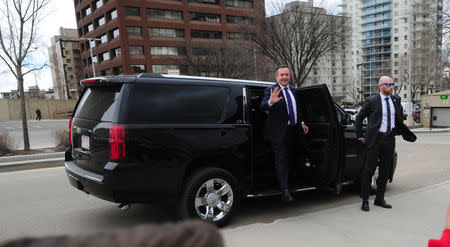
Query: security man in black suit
{"points": [[282, 125], [385, 120]]}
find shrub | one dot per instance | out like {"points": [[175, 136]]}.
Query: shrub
{"points": [[61, 138], [6, 144]]}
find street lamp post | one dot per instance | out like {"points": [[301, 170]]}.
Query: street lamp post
{"points": [[90, 50]]}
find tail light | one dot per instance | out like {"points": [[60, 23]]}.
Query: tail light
{"points": [[116, 142], [70, 131]]}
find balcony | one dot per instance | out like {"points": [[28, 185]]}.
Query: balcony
{"points": [[376, 37], [375, 11], [378, 61], [378, 44], [367, 29], [383, 18], [374, 3], [377, 52]]}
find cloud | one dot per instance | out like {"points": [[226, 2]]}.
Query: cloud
{"points": [[59, 13]]}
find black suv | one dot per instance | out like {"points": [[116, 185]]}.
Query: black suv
{"points": [[198, 143]]}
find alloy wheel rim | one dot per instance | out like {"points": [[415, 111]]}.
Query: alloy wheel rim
{"points": [[214, 200]]}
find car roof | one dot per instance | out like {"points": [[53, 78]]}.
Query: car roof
{"points": [[148, 77]]}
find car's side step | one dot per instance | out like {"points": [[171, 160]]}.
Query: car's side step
{"points": [[277, 192]]}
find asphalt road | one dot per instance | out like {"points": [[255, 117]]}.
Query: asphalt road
{"points": [[41, 202], [40, 132]]}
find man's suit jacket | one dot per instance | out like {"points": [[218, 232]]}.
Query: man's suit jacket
{"points": [[277, 121], [373, 110]]}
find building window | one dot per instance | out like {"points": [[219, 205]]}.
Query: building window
{"points": [[105, 56], [395, 30], [132, 11], [205, 1], [91, 43], [406, 37], [195, 16], [87, 11], [239, 36], [239, 3], [98, 4], [118, 70], [94, 59], [206, 34], [396, 55], [165, 32], [239, 19], [116, 52], [134, 31], [113, 14], [103, 39], [164, 14], [101, 21], [395, 38], [68, 60], [137, 68], [167, 51], [90, 27], [114, 33], [163, 68], [136, 50]]}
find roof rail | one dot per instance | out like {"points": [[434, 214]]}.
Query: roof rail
{"points": [[149, 75]]}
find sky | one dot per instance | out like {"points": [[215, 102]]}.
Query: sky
{"points": [[61, 13]]}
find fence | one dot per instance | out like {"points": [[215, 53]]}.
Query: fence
{"points": [[50, 108]]}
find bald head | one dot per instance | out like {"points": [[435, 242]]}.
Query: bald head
{"points": [[386, 85], [384, 80]]}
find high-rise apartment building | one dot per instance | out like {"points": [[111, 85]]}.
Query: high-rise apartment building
{"points": [[386, 40], [134, 36], [65, 63]]}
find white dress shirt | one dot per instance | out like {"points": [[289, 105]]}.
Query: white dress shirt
{"points": [[384, 123]]}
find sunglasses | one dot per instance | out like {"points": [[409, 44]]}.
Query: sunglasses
{"points": [[389, 84]]}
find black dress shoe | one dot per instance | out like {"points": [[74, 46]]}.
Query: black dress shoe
{"points": [[365, 205], [286, 196], [381, 203]]}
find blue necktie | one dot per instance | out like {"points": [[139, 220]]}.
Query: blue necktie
{"points": [[388, 108], [290, 106]]}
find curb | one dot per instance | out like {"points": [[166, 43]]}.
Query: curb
{"points": [[31, 161], [430, 131]]}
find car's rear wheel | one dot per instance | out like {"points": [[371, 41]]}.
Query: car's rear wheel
{"points": [[211, 194]]}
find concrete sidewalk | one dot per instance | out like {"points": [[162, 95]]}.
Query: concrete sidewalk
{"points": [[416, 216], [430, 130]]}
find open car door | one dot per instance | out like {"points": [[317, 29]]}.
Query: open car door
{"points": [[324, 142]]}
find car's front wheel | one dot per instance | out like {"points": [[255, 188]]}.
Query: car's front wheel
{"points": [[211, 194]]}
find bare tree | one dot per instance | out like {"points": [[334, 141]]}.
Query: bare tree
{"points": [[297, 36], [233, 60], [18, 31], [403, 73]]}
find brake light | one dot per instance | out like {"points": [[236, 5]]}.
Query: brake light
{"points": [[70, 131], [116, 142]]}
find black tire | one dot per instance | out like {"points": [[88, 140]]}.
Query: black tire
{"points": [[196, 200]]}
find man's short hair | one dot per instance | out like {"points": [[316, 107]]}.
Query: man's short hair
{"points": [[280, 67], [383, 78]]}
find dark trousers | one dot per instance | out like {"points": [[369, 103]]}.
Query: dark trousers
{"points": [[382, 150], [38, 116], [284, 155]]}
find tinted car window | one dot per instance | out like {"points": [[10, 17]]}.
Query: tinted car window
{"points": [[178, 104], [97, 103], [316, 108]]}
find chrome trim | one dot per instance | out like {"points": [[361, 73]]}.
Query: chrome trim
{"points": [[244, 103], [214, 200], [278, 192], [70, 166]]}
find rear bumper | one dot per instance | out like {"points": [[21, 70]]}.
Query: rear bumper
{"points": [[125, 183]]}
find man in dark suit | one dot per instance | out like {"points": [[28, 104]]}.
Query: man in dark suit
{"points": [[385, 120], [282, 125]]}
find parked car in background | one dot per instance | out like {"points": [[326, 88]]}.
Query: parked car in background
{"points": [[198, 144]]}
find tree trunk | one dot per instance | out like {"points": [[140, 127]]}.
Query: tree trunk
{"points": [[26, 140]]}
